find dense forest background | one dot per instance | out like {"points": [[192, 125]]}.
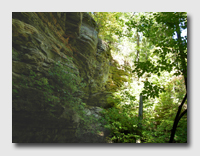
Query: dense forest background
{"points": [[152, 47], [119, 149], [106, 77]]}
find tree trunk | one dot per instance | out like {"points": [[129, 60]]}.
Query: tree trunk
{"points": [[177, 118], [184, 72], [137, 59], [140, 116]]}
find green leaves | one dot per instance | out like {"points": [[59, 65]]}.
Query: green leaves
{"points": [[159, 29], [67, 86], [157, 51], [109, 24], [122, 126], [151, 90]]}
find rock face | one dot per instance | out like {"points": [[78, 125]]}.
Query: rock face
{"points": [[41, 40]]}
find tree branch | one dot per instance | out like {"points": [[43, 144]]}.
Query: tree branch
{"points": [[177, 118], [183, 113]]}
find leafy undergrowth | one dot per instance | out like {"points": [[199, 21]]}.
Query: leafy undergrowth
{"points": [[122, 124], [158, 117]]}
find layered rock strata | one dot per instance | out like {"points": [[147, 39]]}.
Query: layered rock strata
{"points": [[39, 40]]}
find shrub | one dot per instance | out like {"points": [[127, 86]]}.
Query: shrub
{"points": [[122, 124]]}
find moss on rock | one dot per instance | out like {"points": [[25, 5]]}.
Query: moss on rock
{"points": [[41, 40]]}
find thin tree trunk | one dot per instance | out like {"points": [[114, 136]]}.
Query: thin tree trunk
{"points": [[177, 118], [140, 117], [182, 54], [137, 59], [184, 67]]}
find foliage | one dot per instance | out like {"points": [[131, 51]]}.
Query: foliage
{"points": [[111, 26], [122, 124], [62, 87], [158, 129], [108, 22], [157, 60], [160, 61], [68, 86], [65, 83], [158, 117], [170, 52]]}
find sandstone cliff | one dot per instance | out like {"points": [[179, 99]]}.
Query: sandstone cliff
{"points": [[57, 61]]}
